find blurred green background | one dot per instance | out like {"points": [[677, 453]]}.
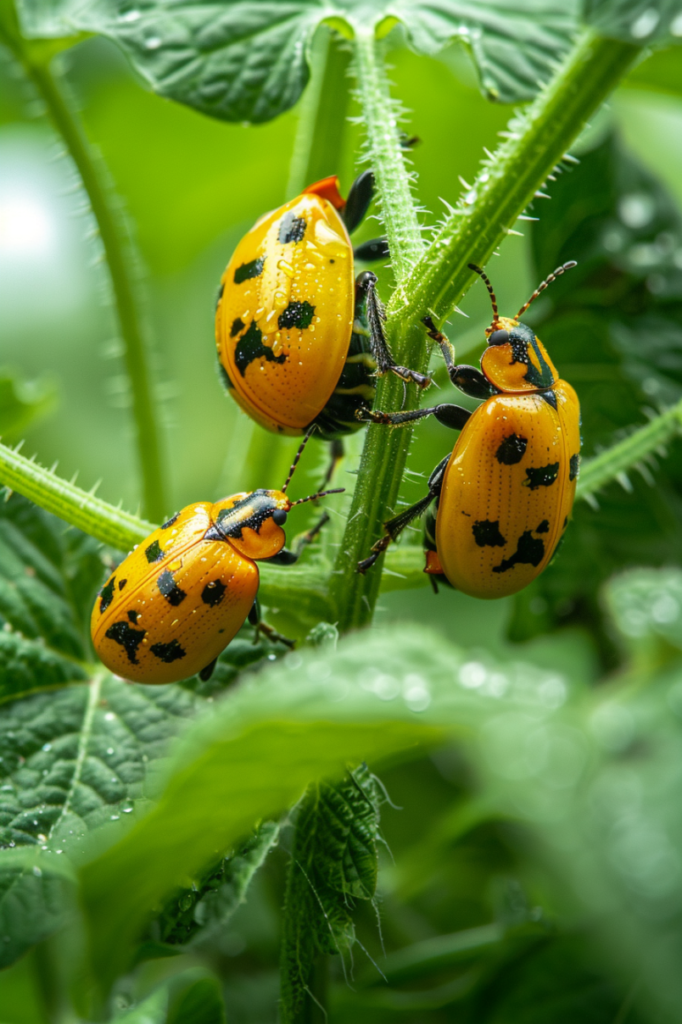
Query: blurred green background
{"points": [[190, 187]]}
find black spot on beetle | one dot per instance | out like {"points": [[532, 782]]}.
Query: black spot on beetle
{"points": [[530, 550], [291, 229], [332, 261], [297, 314], [565, 522], [169, 522], [169, 588], [133, 616], [541, 476], [237, 326], [574, 467], [543, 527], [511, 450], [171, 651], [250, 346], [213, 593], [107, 594], [549, 397], [487, 534], [519, 346], [153, 553], [248, 270], [121, 584], [128, 638]]}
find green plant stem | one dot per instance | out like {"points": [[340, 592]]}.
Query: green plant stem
{"points": [[35, 59], [123, 531], [75, 506], [435, 278], [320, 137], [595, 473], [538, 140], [385, 451]]}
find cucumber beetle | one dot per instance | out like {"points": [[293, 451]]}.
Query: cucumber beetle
{"points": [[177, 600], [504, 495], [299, 339]]}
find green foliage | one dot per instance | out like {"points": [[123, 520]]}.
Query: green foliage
{"points": [[659, 22], [198, 912], [333, 863], [252, 64], [21, 402], [537, 862]]}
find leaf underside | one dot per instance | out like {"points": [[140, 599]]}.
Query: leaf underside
{"points": [[244, 61]]}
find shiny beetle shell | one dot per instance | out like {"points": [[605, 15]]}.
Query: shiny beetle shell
{"points": [[285, 313], [507, 491], [178, 599]]}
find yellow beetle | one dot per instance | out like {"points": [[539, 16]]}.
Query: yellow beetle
{"points": [[504, 495], [299, 339], [178, 599]]}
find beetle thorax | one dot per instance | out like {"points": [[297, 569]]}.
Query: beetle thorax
{"points": [[252, 522], [516, 361]]}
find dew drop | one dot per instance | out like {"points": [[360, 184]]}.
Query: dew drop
{"points": [[645, 24]]}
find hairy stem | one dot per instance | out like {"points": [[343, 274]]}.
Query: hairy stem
{"points": [[79, 508], [35, 59], [435, 278], [537, 141], [385, 451], [123, 531], [595, 473]]}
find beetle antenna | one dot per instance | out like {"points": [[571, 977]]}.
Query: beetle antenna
{"points": [[496, 315], [548, 280], [299, 453], [320, 494]]}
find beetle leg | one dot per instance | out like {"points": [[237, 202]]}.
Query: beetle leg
{"points": [[207, 671], [375, 316], [376, 249], [359, 198], [394, 527], [467, 379], [453, 416], [262, 627]]}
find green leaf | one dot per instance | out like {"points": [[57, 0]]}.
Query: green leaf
{"points": [[198, 911], [76, 758], [22, 402], [253, 754], [636, 21], [515, 43], [192, 997], [242, 61], [333, 863], [662, 71], [601, 791], [36, 898], [646, 605], [48, 576], [196, 1002]]}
